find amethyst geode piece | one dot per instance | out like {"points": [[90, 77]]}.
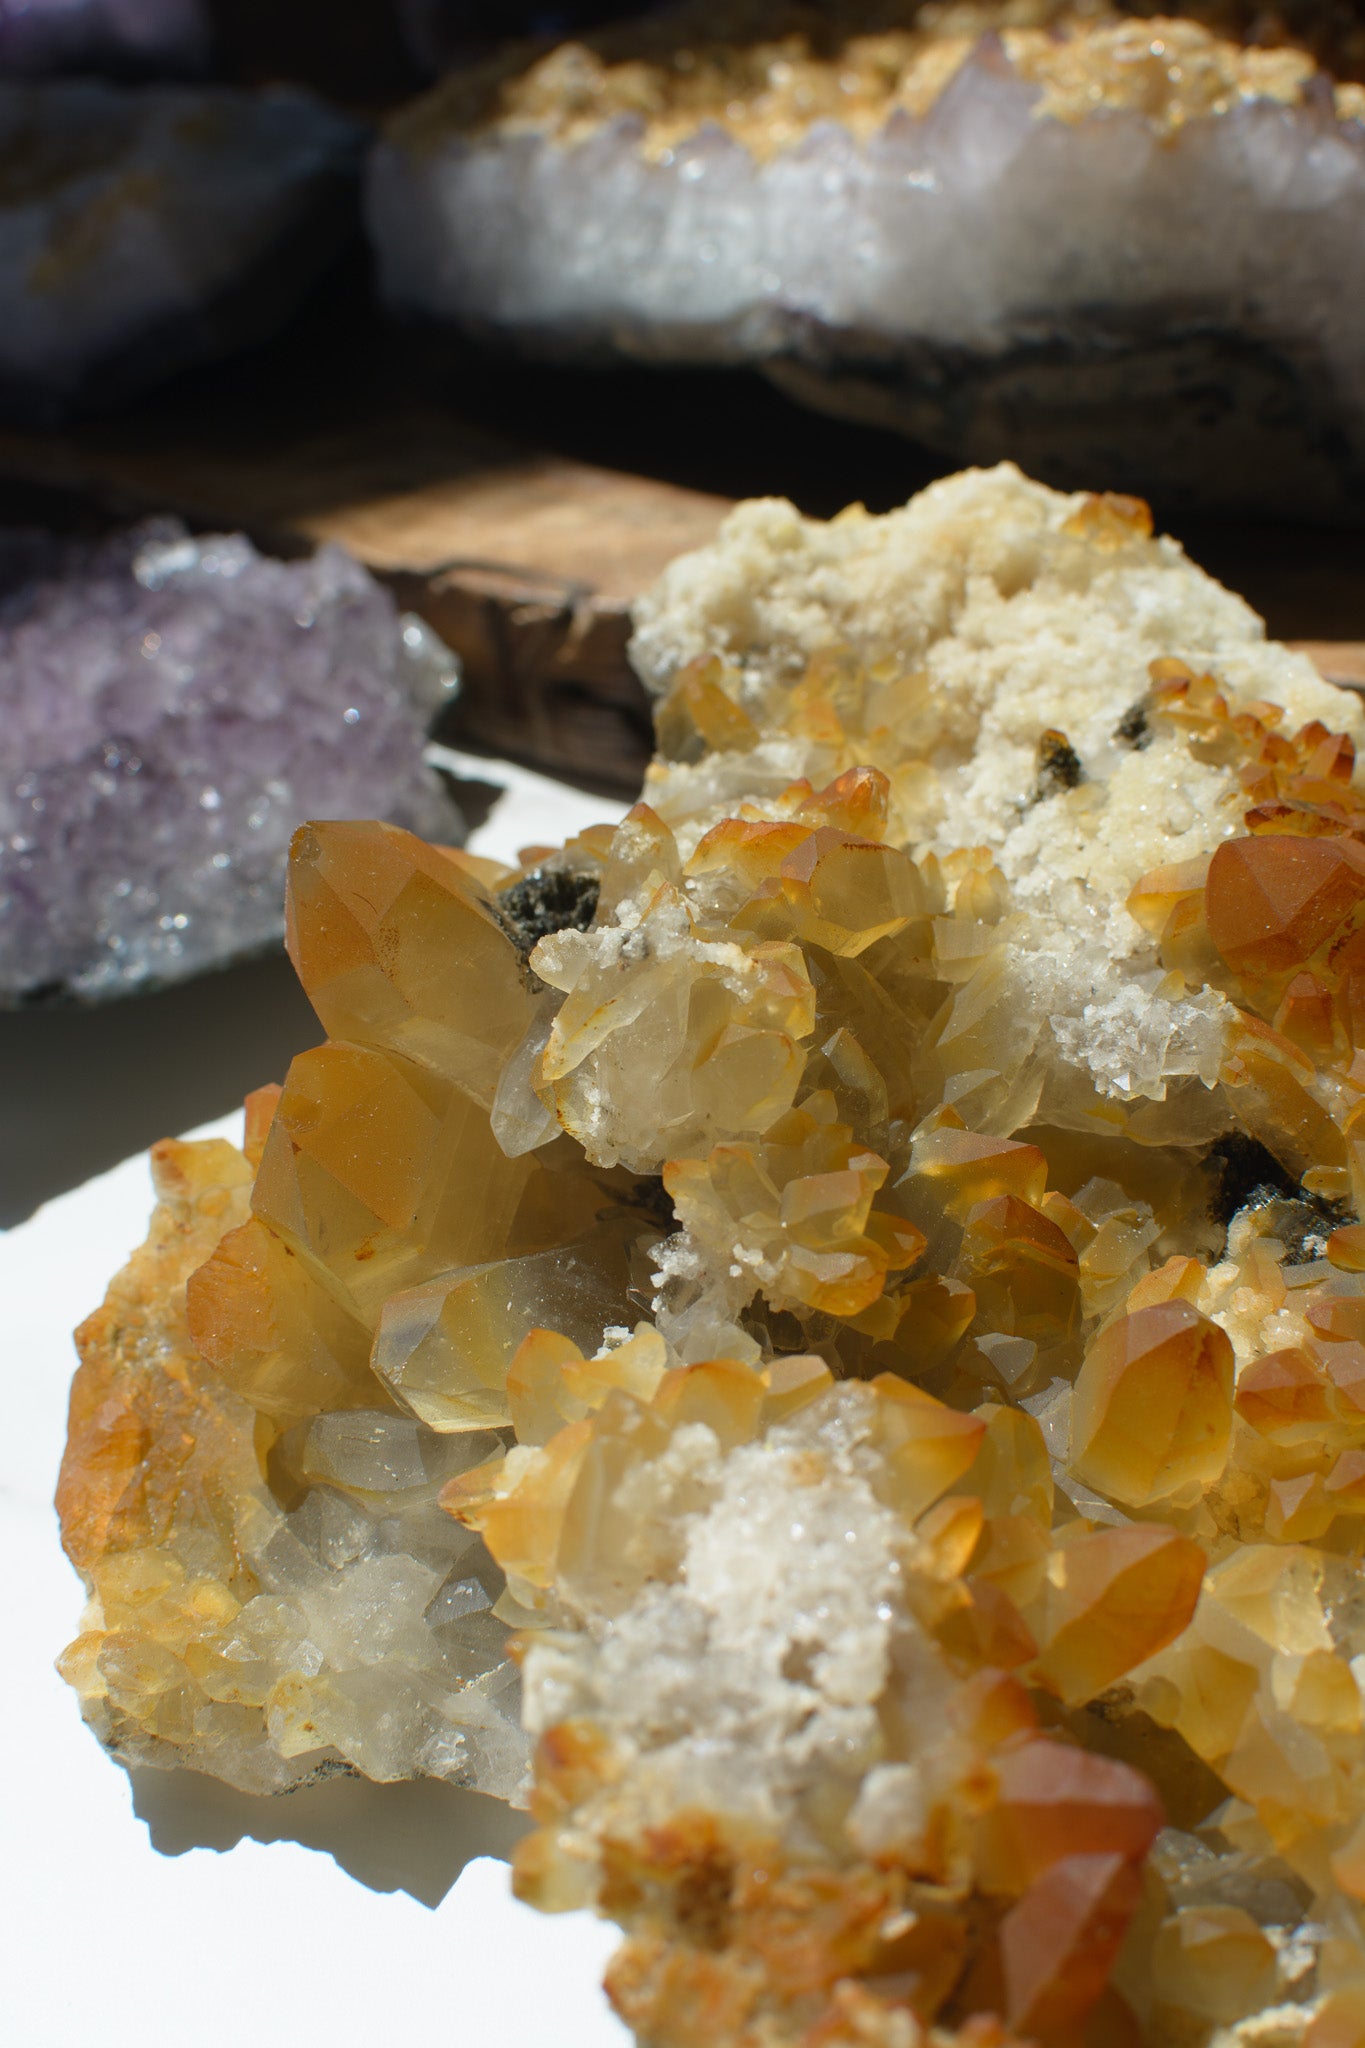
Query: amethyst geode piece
{"points": [[173, 708]]}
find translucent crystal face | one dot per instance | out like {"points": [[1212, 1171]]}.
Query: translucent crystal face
{"points": [[859, 1266]]}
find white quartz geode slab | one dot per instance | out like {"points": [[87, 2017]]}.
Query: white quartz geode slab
{"points": [[144, 228], [1099, 299]]}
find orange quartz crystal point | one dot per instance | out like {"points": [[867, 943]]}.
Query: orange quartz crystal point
{"points": [[1055, 1801], [724, 1395], [259, 1108], [374, 919], [1285, 1396], [1115, 1597], [272, 1333], [1346, 1247], [1306, 1015], [1110, 519], [963, 1169], [929, 1446], [701, 712], [856, 801], [1153, 1405], [1059, 1944], [994, 1705], [1274, 901]]}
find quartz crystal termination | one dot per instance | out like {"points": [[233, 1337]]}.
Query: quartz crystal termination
{"points": [[950, 220], [144, 229], [174, 708], [864, 1253]]}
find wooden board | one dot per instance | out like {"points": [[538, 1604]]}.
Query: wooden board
{"points": [[1340, 661]]}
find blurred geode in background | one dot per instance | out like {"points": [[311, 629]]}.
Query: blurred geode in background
{"points": [[1067, 231], [98, 35], [174, 707], [147, 228], [439, 31]]}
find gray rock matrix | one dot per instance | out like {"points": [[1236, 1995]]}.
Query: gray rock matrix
{"points": [[173, 708]]}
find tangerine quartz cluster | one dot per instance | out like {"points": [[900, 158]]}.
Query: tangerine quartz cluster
{"points": [[852, 1281]]}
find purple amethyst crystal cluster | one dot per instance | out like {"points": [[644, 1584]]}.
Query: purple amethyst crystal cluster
{"points": [[174, 707]]}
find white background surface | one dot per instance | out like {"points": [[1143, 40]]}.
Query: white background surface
{"points": [[109, 1940]]}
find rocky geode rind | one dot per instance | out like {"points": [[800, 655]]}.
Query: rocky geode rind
{"points": [[1148, 292], [175, 707]]}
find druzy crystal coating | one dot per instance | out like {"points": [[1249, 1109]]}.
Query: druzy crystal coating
{"points": [[174, 707], [956, 220], [875, 1300]]}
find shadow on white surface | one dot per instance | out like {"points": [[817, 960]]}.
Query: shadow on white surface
{"points": [[80, 1089], [415, 1837]]}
